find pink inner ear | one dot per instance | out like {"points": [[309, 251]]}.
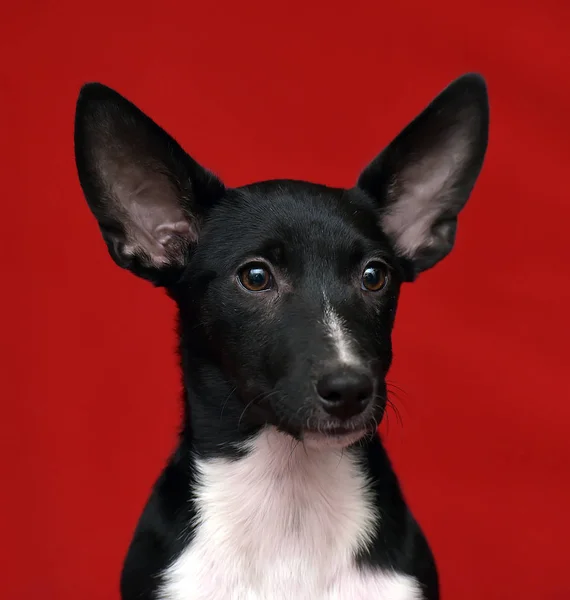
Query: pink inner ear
{"points": [[157, 227], [421, 193]]}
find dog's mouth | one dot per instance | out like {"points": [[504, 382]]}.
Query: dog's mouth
{"points": [[335, 437], [320, 430], [339, 439]]}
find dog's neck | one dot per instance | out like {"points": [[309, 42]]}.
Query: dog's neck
{"points": [[214, 424]]}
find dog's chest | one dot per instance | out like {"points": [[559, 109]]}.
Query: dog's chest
{"points": [[281, 523]]}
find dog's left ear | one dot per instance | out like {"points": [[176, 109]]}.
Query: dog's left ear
{"points": [[423, 179]]}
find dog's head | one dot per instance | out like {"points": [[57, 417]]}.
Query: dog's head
{"points": [[286, 290]]}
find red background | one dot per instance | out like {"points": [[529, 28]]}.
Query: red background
{"points": [[302, 90]]}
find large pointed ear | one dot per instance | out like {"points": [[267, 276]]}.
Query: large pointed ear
{"points": [[148, 196], [423, 179]]}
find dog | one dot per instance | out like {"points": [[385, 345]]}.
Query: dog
{"points": [[280, 487]]}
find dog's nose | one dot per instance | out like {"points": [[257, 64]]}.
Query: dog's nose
{"points": [[345, 393]]}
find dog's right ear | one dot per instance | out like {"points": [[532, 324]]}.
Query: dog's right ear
{"points": [[148, 196]]}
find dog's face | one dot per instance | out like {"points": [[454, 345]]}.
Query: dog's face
{"points": [[286, 290], [294, 287]]}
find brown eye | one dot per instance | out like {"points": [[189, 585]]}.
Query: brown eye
{"points": [[375, 277], [255, 278]]}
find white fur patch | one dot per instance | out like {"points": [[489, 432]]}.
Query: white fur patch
{"points": [[339, 336], [282, 523]]}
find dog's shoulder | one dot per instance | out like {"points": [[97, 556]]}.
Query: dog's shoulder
{"points": [[163, 530]]}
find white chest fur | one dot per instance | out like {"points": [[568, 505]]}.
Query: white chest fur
{"points": [[282, 523]]}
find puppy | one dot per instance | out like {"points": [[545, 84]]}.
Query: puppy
{"points": [[280, 488]]}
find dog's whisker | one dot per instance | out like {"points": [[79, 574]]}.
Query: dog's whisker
{"points": [[226, 402], [260, 397], [294, 447], [395, 410], [393, 385], [341, 454]]}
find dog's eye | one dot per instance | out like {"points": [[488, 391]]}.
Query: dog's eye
{"points": [[375, 277], [255, 278]]}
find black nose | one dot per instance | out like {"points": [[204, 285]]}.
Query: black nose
{"points": [[345, 393]]}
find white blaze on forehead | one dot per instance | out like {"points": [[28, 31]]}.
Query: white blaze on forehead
{"points": [[336, 330]]}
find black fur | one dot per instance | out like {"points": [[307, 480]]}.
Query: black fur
{"points": [[253, 358]]}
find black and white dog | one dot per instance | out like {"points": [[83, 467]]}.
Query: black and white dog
{"points": [[280, 488]]}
